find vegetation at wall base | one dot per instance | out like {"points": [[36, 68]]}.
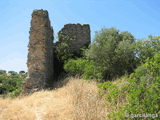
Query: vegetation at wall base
{"points": [[114, 54], [128, 69]]}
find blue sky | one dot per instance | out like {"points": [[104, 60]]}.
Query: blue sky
{"points": [[140, 17]]}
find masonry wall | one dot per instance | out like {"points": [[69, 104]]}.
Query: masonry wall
{"points": [[77, 34], [42, 62], [40, 56]]}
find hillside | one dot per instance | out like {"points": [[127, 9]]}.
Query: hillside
{"points": [[76, 100]]}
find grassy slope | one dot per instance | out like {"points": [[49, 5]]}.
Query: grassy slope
{"points": [[77, 100]]}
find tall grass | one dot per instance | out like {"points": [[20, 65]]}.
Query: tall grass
{"points": [[76, 100]]}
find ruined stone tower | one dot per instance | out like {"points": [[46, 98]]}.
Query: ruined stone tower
{"points": [[78, 35], [42, 62], [40, 56]]}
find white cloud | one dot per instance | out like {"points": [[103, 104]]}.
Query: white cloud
{"points": [[14, 61]]}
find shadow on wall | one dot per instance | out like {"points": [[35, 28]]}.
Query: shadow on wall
{"points": [[45, 59]]}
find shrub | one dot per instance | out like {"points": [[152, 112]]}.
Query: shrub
{"points": [[88, 69], [75, 66], [147, 48], [140, 92], [2, 72], [12, 72], [11, 84], [113, 51]]}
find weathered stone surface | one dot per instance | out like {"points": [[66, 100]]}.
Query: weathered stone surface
{"points": [[40, 56], [77, 34]]}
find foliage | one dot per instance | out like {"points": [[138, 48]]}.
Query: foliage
{"points": [[113, 51], [11, 84], [12, 72], [62, 53], [113, 54], [76, 66], [21, 72], [62, 49], [140, 92], [93, 71], [147, 48], [83, 67], [110, 55], [2, 72]]}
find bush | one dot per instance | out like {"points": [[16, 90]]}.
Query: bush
{"points": [[11, 84], [62, 53], [15, 93], [138, 95], [88, 69], [113, 54], [147, 48], [75, 66], [93, 70], [2, 89], [2, 72], [12, 72], [113, 51], [110, 55]]}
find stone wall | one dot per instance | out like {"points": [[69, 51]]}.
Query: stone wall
{"points": [[42, 62], [77, 34], [40, 56]]}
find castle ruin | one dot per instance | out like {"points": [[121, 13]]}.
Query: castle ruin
{"points": [[78, 35], [40, 56]]}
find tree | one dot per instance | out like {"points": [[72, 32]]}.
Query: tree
{"points": [[138, 95], [147, 48], [12, 83], [2, 72], [12, 72], [113, 51], [21, 72]]}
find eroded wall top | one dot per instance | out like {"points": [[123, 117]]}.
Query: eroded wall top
{"points": [[79, 34], [40, 55]]}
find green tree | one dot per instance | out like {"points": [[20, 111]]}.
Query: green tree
{"points": [[21, 72], [113, 51], [61, 53], [147, 48], [138, 94], [11, 84], [12, 72], [2, 72]]}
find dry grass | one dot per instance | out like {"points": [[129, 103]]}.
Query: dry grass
{"points": [[77, 100]]}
